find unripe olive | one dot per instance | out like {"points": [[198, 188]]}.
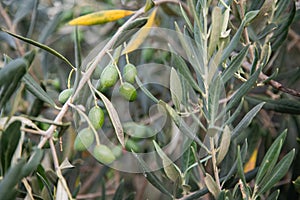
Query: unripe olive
{"points": [[84, 139], [103, 154], [109, 77], [128, 91], [129, 73], [131, 145], [65, 95], [96, 116]]}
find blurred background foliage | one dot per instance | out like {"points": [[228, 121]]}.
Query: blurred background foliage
{"points": [[45, 21]]}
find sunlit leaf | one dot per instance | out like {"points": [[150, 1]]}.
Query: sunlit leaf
{"points": [[140, 37], [100, 17], [250, 165]]}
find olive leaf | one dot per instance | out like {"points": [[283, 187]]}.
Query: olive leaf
{"points": [[175, 88], [113, 117], [171, 170], [100, 17], [224, 144], [141, 35]]}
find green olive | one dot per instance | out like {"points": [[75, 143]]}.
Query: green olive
{"points": [[128, 91], [65, 95], [131, 145], [129, 73], [84, 139], [103, 154], [109, 77], [96, 116]]}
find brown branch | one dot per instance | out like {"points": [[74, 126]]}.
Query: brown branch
{"points": [[275, 84]]}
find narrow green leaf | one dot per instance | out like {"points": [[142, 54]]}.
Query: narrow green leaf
{"points": [[216, 28], [211, 185], [296, 184], [33, 162], [113, 117], [10, 180], [10, 70], [224, 144], [186, 18], [278, 172], [236, 38], [234, 64], [42, 46], [9, 142], [246, 120], [270, 158], [279, 105], [274, 195], [183, 69], [120, 191], [145, 90], [171, 170], [240, 167], [236, 113], [175, 88], [214, 93], [151, 177], [37, 90], [149, 4], [78, 60]]}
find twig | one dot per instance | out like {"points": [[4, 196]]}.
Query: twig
{"points": [[246, 35], [273, 83], [214, 162], [38, 132]]}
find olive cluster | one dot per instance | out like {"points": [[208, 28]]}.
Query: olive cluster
{"points": [[109, 78]]}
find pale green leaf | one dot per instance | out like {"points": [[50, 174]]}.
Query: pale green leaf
{"points": [[224, 144], [171, 170], [175, 88], [113, 117], [211, 185]]}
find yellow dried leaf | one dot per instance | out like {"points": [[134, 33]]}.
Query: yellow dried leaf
{"points": [[100, 17], [141, 35], [250, 165]]}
